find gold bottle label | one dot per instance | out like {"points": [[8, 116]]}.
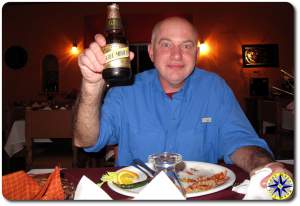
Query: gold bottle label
{"points": [[113, 23], [116, 55]]}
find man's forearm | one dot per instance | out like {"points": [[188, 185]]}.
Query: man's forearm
{"points": [[86, 114], [251, 157]]}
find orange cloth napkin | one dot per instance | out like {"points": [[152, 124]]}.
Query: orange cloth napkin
{"points": [[20, 186]]}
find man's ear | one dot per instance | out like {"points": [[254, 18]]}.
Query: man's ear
{"points": [[197, 53], [150, 51]]}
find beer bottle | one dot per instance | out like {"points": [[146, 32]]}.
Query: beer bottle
{"points": [[117, 69]]}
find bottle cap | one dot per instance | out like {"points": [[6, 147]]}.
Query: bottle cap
{"points": [[113, 11]]}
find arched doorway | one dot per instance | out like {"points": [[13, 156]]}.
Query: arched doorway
{"points": [[50, 73]]}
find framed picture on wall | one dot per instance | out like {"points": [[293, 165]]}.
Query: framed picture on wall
{"points": [[260, 55]]}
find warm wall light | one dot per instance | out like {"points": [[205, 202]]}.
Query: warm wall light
{"points": [[74, 50], [203, 48]]}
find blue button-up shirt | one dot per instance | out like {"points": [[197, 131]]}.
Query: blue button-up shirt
{"points": [[203, 121]]}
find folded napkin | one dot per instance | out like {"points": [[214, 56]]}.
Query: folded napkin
{"points": [[241, 188], [20, 186], [88, 190], [161, 187], [252, 189]]}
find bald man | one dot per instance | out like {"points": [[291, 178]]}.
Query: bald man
{"points": [[173, 107]]}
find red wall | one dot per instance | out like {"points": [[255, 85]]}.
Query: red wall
{"points": [[50, 28]]}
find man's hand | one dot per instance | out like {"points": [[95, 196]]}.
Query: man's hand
{"points": [[252, 158], [276, 167], [91, 61]]}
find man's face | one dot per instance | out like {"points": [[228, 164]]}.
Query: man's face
{"points": [[174, 51]]}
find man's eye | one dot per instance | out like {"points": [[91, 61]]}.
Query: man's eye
{"points": [[188, 46], [165, 45]]}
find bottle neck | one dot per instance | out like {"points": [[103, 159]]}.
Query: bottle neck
{"points": [[114, 24]]}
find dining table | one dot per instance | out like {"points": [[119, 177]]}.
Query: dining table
{"points": [[74, 175]]}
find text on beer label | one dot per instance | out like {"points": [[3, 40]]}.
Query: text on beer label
{"points": [[116, 53]]}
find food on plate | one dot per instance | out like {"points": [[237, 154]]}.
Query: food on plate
{"points": [[133, 185], [124, 179], [120, 177], [199, 183]]}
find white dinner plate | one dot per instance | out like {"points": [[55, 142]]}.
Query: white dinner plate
{"points": [[203, 168]]}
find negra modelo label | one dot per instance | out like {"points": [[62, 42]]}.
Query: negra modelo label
{"points": [[116, 55]]}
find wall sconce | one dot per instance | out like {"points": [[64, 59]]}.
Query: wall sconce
{"points": [[74, 50], [203, 48]]}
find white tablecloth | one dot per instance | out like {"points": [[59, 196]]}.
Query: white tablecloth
{"points": [[16, 139]]}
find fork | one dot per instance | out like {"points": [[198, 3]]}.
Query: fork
{"points": [[139, 164]]}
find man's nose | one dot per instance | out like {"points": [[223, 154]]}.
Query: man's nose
{"points": [[176, 53]]}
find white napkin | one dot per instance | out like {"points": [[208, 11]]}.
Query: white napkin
{"points": [[160, 188], [252, 188], [241, 188], [88, 190]]}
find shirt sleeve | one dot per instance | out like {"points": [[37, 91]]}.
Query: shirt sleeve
{"points": [[235, 129], [110, 119]]}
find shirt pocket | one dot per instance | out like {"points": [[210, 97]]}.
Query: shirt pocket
{"points": [[198, 143], [145, 141]]}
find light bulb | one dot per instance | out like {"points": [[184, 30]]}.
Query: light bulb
{"points": [[74, 50], [204, 48]]}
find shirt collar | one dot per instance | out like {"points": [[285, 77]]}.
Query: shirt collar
{"points": [[181, 94]]}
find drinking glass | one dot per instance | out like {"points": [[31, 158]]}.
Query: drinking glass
{"points": [[167, 162]]}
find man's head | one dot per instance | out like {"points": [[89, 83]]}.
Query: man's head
{"points": [[173, 50]]}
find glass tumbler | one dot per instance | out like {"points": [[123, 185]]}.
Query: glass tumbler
{"points": [[165, 161]]}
